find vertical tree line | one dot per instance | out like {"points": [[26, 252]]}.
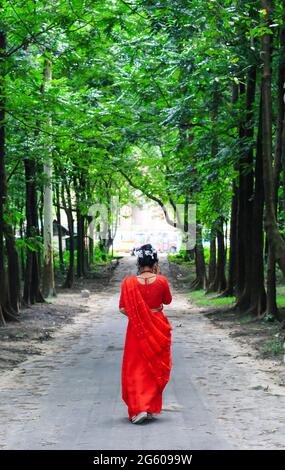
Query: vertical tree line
{"points": [[181, 102]]}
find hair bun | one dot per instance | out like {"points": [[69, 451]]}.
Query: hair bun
{"points": [[146, 250]]}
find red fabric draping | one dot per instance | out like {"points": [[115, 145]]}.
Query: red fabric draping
{"points": [[147, 354]]}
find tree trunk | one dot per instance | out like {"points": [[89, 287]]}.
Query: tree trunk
{"points": [[32, 291], [58, 219], [48, 269], [275, 238], [272, 308], [212, 261], [81, 252], [232, 269], [256, 282], [188, 250], [22, 249], [220, 282], [6, 310], [41, 212], [68, 210], [201, 277], [14, 280], [245, 200], [241, 210], [80, 243], [230, 290]]}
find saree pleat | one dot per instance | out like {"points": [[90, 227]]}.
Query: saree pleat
{"points": [[147, 354]]}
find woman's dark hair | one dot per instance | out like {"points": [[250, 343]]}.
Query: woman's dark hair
{"points": [[147, 256]]}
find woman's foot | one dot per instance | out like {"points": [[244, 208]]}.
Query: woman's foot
{"points": [[140, 417], [149, 415]]}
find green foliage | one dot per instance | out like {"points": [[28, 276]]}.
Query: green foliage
{"points": [[66, 255], [201, 299], [133, 93], [180, 258], [139, 102], [30, 243], [101, 256], [274, 346]]}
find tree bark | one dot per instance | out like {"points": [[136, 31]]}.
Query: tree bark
{"points": [[68, 210], [255, 287], [245, 199], [232, 268], [212, 261], [220, 282], [230, 290], [6, 310], [22, 256], [32, 291], [14, 280], [80, 242], [79, 186], [272, 308], [58, 219], [275, 238], [201, 276], [48, 268]]}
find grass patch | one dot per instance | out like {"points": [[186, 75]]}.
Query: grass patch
{"points": [[280, 297], [179, 260], [273, 346], [201, 299]]}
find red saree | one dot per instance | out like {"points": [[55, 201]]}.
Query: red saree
{"points": [[147, 356]]}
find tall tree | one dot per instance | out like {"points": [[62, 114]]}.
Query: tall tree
{"points": [[48, 269]]}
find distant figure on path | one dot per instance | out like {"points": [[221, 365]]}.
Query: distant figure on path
{"points": [[147, 355]]}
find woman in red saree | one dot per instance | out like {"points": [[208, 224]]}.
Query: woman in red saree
{"points": [[147, 354]]}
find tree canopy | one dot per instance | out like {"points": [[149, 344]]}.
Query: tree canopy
{"points": [[181, 100]]}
